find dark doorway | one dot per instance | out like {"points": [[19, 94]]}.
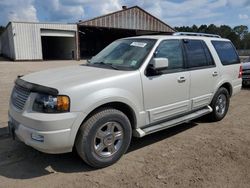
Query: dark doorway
{"points": [[58, 48], [93, 40]]}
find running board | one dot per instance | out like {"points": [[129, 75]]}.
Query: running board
{"points": [[140, 132]]}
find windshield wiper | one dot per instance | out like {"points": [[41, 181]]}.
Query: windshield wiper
{"points": [[105, 64]]}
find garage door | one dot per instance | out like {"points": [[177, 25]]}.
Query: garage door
{"points": [[58, 45]]}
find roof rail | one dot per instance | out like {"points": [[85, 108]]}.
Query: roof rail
{"points": [[196, 34]]}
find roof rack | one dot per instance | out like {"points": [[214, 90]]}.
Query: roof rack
{"points": [[196, 34]]}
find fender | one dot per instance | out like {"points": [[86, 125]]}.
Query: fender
{"points": [[105, 96]]}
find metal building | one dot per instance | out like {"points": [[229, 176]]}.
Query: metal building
{"points": [[39, 41], [49, 41], [96, 33]]}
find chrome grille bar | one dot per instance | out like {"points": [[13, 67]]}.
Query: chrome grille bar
{"points": [[19, 97]]}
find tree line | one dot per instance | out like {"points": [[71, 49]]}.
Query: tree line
{"points": [[239, 35]]}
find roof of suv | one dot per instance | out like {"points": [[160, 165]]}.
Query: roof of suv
{"points": [[158, 37]]}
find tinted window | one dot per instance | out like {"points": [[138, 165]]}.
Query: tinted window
{"points": [[226, 52], [209, 57], [197, 53], [172, 50]]}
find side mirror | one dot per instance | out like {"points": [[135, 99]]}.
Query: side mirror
{"points": [[159, 64], [156, 66]]}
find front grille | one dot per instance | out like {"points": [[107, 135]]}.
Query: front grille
{"points": [[19, 97]]}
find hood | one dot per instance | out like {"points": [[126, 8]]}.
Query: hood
{"points": [[69, 76], [246, 65]]}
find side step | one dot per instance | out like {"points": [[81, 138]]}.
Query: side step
{"points": [[140, 132]]}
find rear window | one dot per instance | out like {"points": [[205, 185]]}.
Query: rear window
{"points": [[226, 52]]}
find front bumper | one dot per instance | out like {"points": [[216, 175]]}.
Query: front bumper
{"points": [[50, 142], [48, 133]]}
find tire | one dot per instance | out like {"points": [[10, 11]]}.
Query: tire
{"points": [[104, 137], [244, 84], [219, 104]]}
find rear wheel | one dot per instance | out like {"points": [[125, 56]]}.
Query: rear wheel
{"points": [[104, 138], [220, 104]]}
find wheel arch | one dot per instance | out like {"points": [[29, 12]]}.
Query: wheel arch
{"points": [[121, 106], [228, 87]]}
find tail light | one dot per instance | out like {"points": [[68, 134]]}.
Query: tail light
{"points": [[240, 72]]}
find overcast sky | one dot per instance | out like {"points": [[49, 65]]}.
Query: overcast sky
{"points": [[173, 12]]}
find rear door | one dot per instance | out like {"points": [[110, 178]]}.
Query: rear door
{"points": [[203, 73], [167, 95]]}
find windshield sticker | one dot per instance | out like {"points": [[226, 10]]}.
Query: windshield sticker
{"points": [[133, 63], [138, 44]]}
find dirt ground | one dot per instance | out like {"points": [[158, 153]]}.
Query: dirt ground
{"points": [[198, 154]]}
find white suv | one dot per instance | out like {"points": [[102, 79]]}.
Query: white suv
{"points": [[136, 85]]}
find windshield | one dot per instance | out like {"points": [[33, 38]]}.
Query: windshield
{"points": [[124, 54]]}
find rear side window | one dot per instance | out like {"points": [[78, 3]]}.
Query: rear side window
{"points": [[226, 52], [198, 54]]}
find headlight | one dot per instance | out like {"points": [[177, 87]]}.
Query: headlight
{"points": [[51, 104]]}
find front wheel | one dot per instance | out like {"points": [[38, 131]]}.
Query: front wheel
{"points": [[220, 104], [104, 138]]}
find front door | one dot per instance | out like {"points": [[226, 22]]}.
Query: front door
{"points": [[167, 95]]}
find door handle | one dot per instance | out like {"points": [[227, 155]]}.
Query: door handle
{"points": [[215, 73], [181, 79]]}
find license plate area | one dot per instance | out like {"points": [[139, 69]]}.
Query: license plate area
{"points": [[11, 130], [12, 126]]}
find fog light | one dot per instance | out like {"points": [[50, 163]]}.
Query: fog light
{"points": [[37, 137]]}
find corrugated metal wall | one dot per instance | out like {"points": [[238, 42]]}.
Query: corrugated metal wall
{"points": [[7, 43], [133, 18], [22, 41], [27, 38]]}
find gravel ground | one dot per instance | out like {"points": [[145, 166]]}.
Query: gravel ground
{"points": [[198, 154]]}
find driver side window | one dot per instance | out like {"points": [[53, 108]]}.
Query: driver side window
{"points": [[172, 50]]}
